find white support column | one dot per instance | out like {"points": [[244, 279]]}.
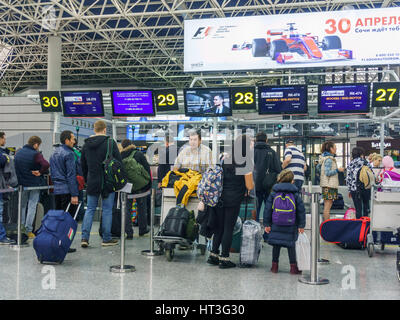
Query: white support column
{"points": [[54, 75], [114, 130]]}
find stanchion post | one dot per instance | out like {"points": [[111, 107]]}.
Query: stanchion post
{"points": [[313, 277], [319, 260], [151, 252], [122, 268], [19, 245]]}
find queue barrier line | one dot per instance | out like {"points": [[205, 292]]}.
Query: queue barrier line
{"points": [[314, 278], [122, 267], [151, 252]]}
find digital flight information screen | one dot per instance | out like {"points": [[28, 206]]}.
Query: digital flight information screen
{"points": [[132, 103], [282, 99], [344, 98], [82, 103]]}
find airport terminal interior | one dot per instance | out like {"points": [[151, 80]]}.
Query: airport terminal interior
{"points": [[313, 80]]}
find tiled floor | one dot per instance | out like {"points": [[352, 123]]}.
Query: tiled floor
{"points": [[85, 275]]}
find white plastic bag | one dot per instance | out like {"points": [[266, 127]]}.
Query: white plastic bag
{"points": [[303, 252]]}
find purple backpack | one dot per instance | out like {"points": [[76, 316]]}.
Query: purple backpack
{"points": [[284, 209]]}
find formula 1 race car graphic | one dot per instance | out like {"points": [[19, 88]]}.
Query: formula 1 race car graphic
{"points": [[287, 46], [244, 46]]}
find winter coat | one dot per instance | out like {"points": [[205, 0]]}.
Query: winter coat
{"points": [[94, 152], [63, 171], [141, 159], [262, 151], [285, 236]]}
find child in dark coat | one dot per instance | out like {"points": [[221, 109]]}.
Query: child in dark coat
{"points": [[284, 235]]}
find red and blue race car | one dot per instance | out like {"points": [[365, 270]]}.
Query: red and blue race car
{"points": [[287, 46]]}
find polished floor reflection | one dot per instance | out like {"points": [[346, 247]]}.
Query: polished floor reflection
{"points": [[85, 275]]}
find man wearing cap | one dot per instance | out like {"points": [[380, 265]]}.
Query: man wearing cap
{"points": [[296, 162]]}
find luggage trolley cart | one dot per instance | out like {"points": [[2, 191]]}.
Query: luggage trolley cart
{"points": [[385, 219], [167, 244]]}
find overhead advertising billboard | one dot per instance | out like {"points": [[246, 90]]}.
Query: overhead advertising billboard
{"points": [[317, 39]]}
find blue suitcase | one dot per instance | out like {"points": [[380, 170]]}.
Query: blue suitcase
{"points": [[55, 236]]}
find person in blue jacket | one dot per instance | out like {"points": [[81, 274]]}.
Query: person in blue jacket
{"points": [[284, 236], [63, 171]]}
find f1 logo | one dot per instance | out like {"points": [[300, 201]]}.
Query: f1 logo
{"points": [[201, 33]]}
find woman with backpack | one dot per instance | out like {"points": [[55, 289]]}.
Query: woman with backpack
{"points": [[329, 176], [360, 195], [236, 183], [284, 218]]}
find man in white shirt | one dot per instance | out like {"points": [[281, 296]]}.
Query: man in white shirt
{"points": [[296, 162], [196, 156]]}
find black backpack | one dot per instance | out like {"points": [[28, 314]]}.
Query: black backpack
{"points": [[176, 222], [114, 177], [271, 176]]}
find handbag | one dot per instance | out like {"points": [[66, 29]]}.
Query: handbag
{"points": [[303, 252]]}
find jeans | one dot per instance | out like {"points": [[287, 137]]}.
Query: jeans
{"points": [[298, 184], [92, 202], [2, 230], [361, 200], [30, 199]]}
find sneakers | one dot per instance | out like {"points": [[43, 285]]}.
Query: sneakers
{"points": [[225, 263], [31, 235], [7, 241], [213, 259], [108, 243], [84, 243]]}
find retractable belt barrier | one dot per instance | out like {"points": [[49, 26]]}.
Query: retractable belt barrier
{"points": [[20, 190], [151, 252], [315, 239], [122, 268]]}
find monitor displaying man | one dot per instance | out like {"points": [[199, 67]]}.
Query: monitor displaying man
{"points": [[206, 102]]}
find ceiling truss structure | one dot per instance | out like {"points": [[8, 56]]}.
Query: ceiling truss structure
{"points": [[130, 42]]}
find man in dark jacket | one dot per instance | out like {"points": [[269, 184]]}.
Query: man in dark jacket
{"points": [[94, 152], [63, 170], [142, 207], [30, 166], [264, 156], [3, 160]]}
